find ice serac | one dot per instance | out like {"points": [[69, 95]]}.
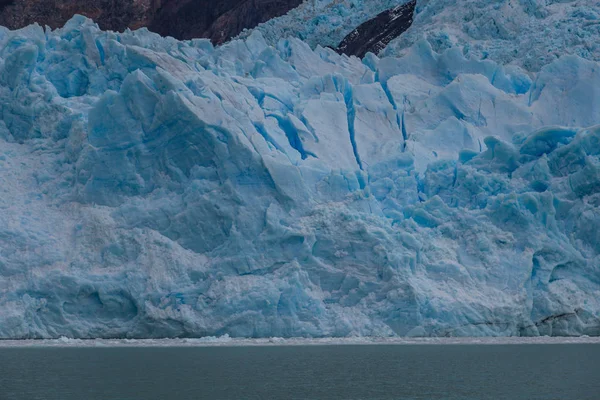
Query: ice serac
{"points": [[157, 188]]}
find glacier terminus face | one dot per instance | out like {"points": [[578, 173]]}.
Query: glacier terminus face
{"points": [[155, 188]]}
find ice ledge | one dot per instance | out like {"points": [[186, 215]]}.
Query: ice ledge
{"points": [[226, 341]]}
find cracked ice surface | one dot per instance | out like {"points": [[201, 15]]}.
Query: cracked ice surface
{"points": [[530, 33], [154, 188]]}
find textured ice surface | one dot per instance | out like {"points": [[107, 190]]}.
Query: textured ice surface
{"points": [[322, 22], [530, 33], [156, 188]]}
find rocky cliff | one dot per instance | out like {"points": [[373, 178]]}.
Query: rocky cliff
{"points": [[217, 20], [375, 34], [183, 19]]}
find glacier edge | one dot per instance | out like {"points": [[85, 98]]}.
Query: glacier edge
{"points": [[155, 188]]}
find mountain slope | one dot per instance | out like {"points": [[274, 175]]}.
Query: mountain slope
{"points": [[182, 19], [216, 20]]}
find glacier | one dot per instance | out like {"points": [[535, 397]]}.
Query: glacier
{"points": [[155, 188]]}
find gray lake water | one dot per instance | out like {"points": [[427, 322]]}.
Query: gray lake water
{"points": [[382, 372]]}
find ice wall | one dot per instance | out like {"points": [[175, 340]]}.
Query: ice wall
{"points": [[156, 188]]}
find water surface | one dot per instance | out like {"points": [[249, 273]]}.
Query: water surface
{"points": [[376, 372]]}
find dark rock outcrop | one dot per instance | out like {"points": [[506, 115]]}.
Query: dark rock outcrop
{"points": [[110, 14], [218, 20], [373, 35]]}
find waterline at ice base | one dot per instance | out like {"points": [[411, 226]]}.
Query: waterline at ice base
{"points": [[449, 186]]}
